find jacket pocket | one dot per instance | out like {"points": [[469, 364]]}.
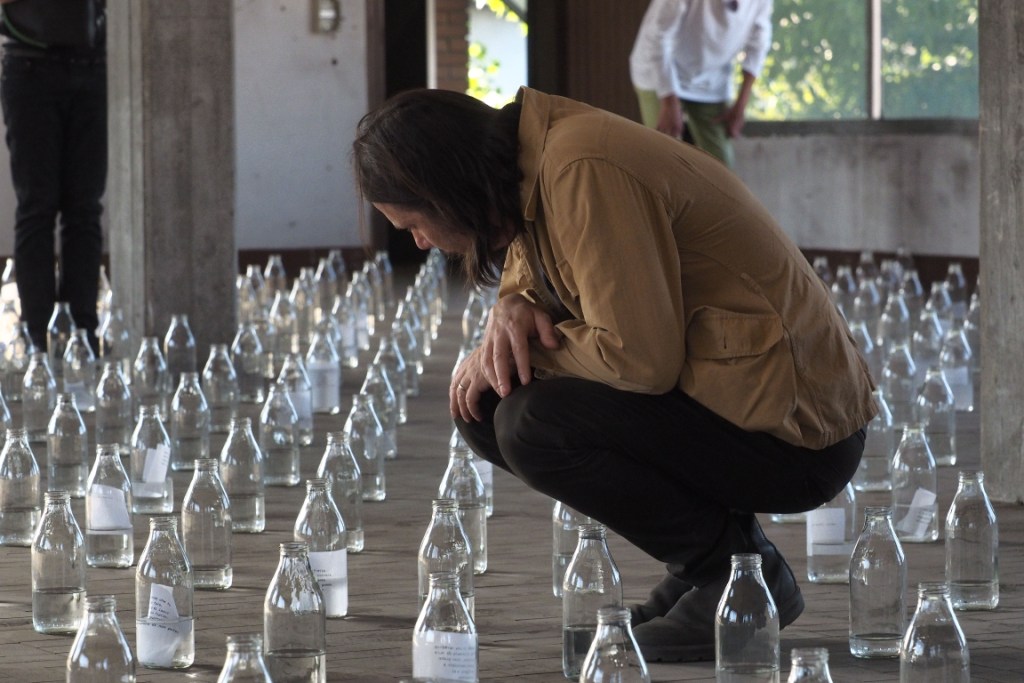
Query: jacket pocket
{"points": [[718, 334]]}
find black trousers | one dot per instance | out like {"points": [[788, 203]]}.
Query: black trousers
{"points": [[662, 471], [55, 110]]}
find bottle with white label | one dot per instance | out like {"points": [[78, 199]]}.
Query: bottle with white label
{"points": [[164, 628], [300, 391], [67, 447], [108, 512], [831, 533], [915, 509], [190, 423], [152, 486], [206, 527], [323, 367], [320, 526], [338, 465], [444, 640], [294, 624], [241, 471]]}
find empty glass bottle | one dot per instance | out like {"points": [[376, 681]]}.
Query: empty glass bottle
{"points": [[874, 471], [746, 625], [115, 339], [565, 528], [244, 661], [444, 640], [58, 334], [278, 437], [344, 332], [100, 653], [926, 343], [614, 655], [180, 348], [915, 488], [249, 360], [364, 436], [591, 582], [58, 568], [323, 368], [972, 546], [206, 527], [461, 482], [164, 600], [934, 647], [190, 423], [80, 371], [114, 414], [303, 301], [445, 547], [809, 665], [320, 526], [67, 448], [878, 587], [377, 386], [38, 397], [294, 623], [389, 357], [326, 288], [109, 536], [241, 471], [831, 533], [281, 318], [152, 485], [300, 391], [899, 385], [338, 465], [220, 387], [894, 324], [936, 412], [17, 351], [151, 383], [955, 360], [19, 490]]}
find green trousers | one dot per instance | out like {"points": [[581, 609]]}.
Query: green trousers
{"points": [[707, 134]]}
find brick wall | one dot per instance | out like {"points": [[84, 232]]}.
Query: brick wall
{"points": [[452, 46]]}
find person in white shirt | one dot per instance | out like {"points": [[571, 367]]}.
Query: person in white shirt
{"points": [[683, 59]]}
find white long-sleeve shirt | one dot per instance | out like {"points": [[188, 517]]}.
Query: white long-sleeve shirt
{"points": [[687, 47]]}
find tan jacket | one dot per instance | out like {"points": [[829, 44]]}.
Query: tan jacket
{"points": [[669, 274]]}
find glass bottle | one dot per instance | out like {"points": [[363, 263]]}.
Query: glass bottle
{"points": [[300, 391], [294, 623], [809, 665], [936, 412], [109, 536], [247, 300], [164, 600], [274, 275], [58, 568], [972, 331], [446, 547], [444, 640], [746, 625], [364, 436], [831, 533], [461, 482], [323, 368], [955, 360], [58, 334], [5, 415], [338, 465], [939, 301], [80, 371], [320, 526], [926, 344], [359, 306], [972, 545], [151, 383], [385, 404], [278, 437], [956, 285], [899, 385], [303, 301], [206, 527], [179, 348], [115, 339], [614, 654], [18, 349], [152, 485], [67, 448], [869, 351], [190, 423], [38, 397], [114, 415], [844, 289], [259, 285], [873, 472], [389, 357], [591, 582], [934, 647], [244, 661], [249, 360], [100, 653], [565, 527], [823, 269], [326, 288], [345, 332], [337, 261], [241, 471], [915, 488], [19, 490], [406, 339], [387, 272], [878, 587], [220, 387]]}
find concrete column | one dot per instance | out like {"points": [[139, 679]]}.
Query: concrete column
{"points": [[1001, 43], [171, 187]]}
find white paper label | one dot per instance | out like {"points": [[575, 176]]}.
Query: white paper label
{"points": [[108, 510], [826, 532], [154, 469], [326, 380], [303, 402], [158, 643], [919, 516], [331, 570], [441, 655]]}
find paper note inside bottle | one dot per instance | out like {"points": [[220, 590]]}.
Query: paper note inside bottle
{"points": [[331, 570], [826, 532], [108, 509], [442, 655], [155, 468], [919, 516]]}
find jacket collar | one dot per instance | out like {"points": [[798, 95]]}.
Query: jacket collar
{"points": [[533, 128]]}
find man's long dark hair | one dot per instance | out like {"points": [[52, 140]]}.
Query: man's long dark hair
{"points": [[452, 157]]}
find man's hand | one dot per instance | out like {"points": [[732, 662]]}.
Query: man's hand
{"points": [[732, 119], [670, 116]]}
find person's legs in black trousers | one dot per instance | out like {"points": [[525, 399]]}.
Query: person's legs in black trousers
{"points": [[668, 475]]}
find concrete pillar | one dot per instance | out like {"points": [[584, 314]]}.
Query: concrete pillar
{"points": [[171, 187], [1001, 128]]}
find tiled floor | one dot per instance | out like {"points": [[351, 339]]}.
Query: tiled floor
{"points": [[518, 619]]}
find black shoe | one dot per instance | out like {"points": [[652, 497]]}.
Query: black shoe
{"points": [[660, 601]]}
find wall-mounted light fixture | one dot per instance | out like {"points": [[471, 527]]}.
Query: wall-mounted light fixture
{"points": [[326, 15]]}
